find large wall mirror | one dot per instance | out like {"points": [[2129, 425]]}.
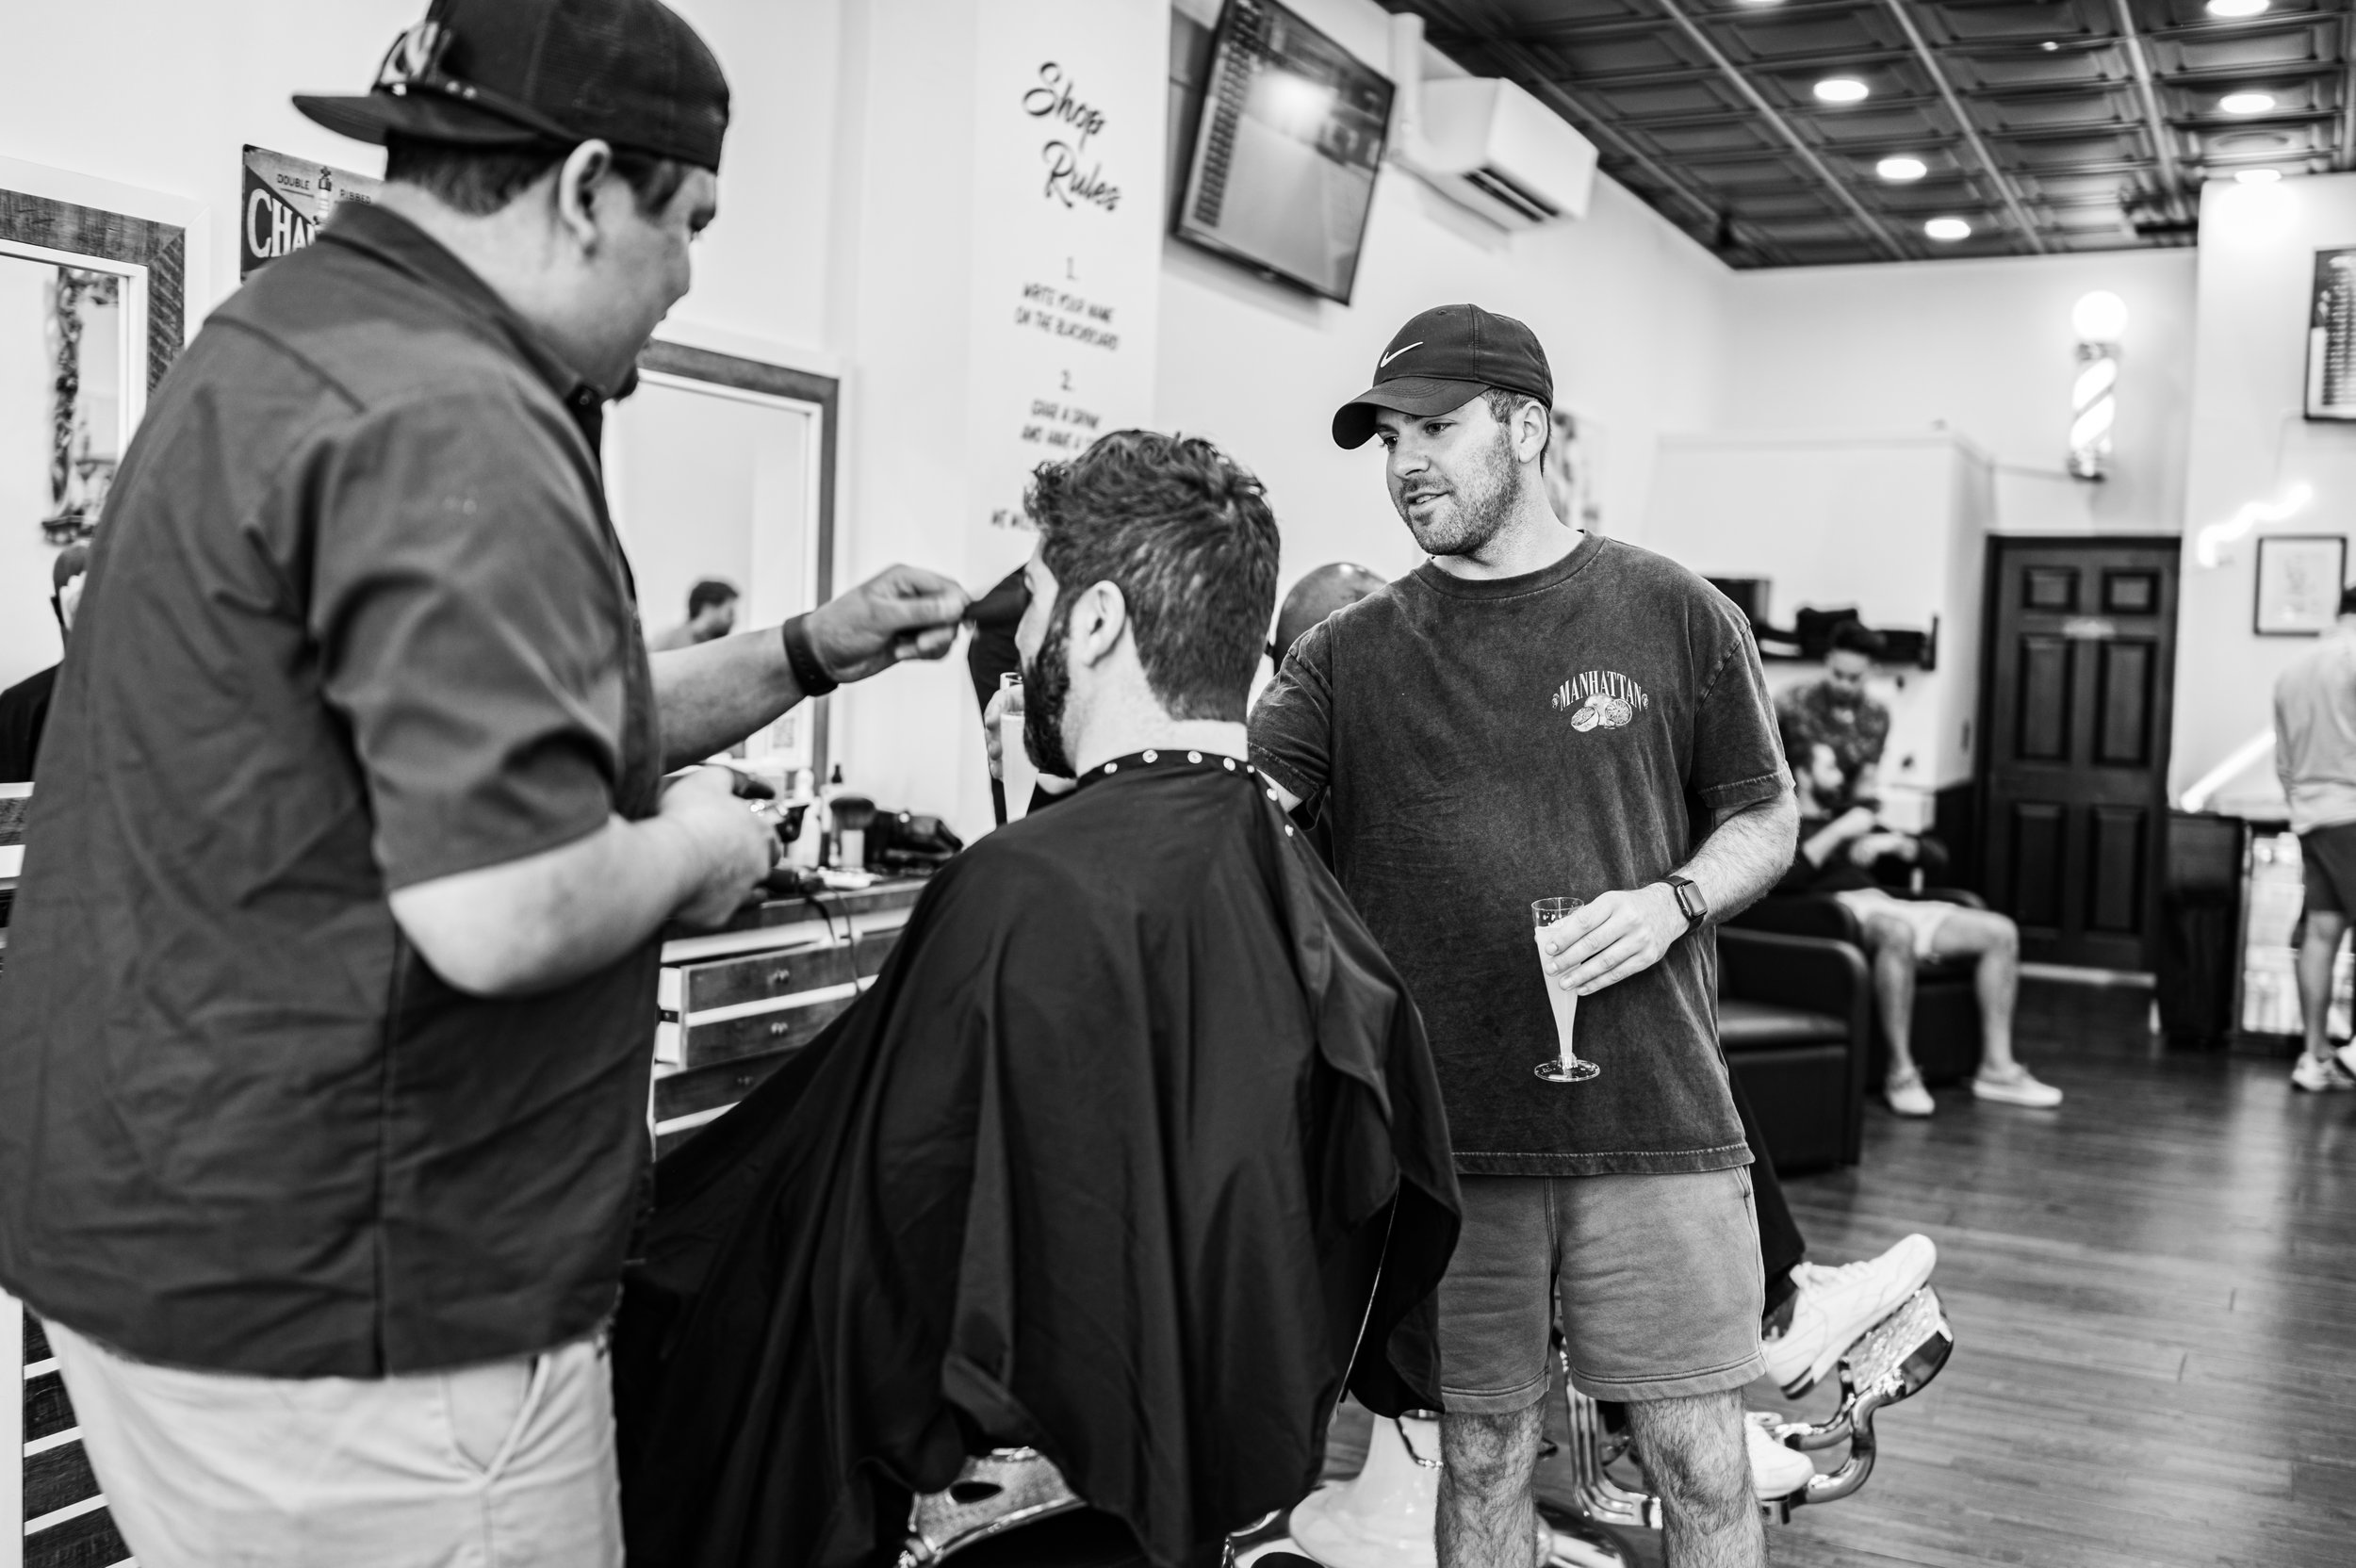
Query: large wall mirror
{"points": [[722, 469], [90, 321]]}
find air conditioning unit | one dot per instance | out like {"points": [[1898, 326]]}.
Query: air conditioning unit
{"points": [[1487, 142]]}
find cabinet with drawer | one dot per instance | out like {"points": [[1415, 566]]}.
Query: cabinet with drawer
{"points": [[737, 1003]]}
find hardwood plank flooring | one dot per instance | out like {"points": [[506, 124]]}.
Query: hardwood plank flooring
{"points": [[2154, 1293]]}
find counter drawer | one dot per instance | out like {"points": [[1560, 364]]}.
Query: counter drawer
{"points": [[712, 1088], [690, 988]]}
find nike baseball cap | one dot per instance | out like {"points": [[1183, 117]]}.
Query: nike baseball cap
{"points": [[549, 74], [1443, 359]]}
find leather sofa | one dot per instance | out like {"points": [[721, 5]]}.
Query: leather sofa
{"points": [[1795, 1019], [1946, 1024]]}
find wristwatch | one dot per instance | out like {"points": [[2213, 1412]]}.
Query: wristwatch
{"points": [[1690, 901]]}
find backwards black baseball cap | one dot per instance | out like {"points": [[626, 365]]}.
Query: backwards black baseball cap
{"points": [[548, 73], [1443, 359]]}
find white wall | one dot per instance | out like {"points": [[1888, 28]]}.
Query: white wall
{"points": [[1983, 347], [2249, 443]]}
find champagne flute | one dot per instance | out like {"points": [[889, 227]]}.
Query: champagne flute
{"points": [[1568, 1066]]}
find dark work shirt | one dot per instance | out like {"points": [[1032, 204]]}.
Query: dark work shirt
{"points": [[1476, 745], [23, 711], [357, 620]]}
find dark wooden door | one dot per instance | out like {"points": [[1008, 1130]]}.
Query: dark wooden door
{"points": [[2080, 663]]}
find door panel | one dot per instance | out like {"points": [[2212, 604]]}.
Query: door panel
{"points": [[2079, 666], [2123, 704], [2036, 879], [2114, 869], [2041, 713]]}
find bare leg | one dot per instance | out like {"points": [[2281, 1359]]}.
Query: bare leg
{"points": [[1486, 1518], [1996, 942], [1695, 1456], [2316, 955], [1893, 944]]}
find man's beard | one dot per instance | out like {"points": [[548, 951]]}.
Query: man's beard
{"points": [[1046, 687], [1484, 499]]}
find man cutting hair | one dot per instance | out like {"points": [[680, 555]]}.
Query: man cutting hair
{"points": [[324, 1040], [1538, 712]]}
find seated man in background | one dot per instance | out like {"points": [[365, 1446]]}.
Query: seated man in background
{"points": [[711, 615], [1109, 1160], [1834, 853], [1838, 713]]}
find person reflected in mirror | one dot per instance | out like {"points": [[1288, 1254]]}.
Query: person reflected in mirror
{"points": [[1840, 713], [1839, 845], [710, 615], [24, 707]]}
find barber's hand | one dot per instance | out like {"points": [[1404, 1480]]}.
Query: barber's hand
{"points": [[900, 612], [1608, 939], [735, 848], [1005, 701]]}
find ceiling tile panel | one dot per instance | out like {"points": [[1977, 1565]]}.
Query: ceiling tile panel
{"points": [[2048, 86]]}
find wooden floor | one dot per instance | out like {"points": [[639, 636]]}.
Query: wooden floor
{"points": [[2153, 1294]]}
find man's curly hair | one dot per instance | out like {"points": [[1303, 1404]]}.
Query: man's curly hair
{"points": [[1188, 538]]}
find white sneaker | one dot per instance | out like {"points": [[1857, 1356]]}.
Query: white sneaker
{"points": [[2319, 1076], [2017, 1090], [1907, 1095], [1775, 1470], [1832, 1307]]}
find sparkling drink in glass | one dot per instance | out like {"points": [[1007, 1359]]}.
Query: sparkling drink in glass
{"points": [[1017, 773], [1567, 1066]]}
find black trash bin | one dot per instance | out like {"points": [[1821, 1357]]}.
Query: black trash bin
{"points": [[2200, 929]]}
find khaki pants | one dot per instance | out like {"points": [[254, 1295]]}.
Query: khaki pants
{"points": [[504, 1465]]}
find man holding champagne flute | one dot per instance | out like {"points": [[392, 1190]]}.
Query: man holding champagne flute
{"points": [[1540, 714]]}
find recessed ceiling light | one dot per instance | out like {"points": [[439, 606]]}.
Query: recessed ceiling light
{"points": [[2050, 47], [1900, 169], [1848, 90], [1948, 228], [2231, 10], [2246, 102], [2257, 176]]}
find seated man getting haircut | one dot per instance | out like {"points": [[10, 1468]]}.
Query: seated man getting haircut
{"points": [[1109, 1161], [1834, 855]]}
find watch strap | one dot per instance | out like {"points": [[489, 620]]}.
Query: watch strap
{"points": [[1690, 902], [808, 674]]}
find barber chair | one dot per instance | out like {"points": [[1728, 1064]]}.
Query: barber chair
{"points": [[1010, 1508], [1383, 1518], [1946, 1023]]}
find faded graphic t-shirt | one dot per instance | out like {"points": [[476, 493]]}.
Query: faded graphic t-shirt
{"points": [[1475, 745]]}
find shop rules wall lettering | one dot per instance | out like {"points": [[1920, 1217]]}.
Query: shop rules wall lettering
{"points": [[1068, 158]]}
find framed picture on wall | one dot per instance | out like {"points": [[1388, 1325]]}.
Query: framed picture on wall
{"points": [[2299, 583], [2331, 336]]}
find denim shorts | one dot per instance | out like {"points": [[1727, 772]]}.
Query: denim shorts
{"points": [[1657, 1277]]}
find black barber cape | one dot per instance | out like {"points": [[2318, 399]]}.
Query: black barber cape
{"points": [[1107, 1163]]}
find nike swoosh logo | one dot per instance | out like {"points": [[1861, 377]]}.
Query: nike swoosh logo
{"points": [[1396, 353]]}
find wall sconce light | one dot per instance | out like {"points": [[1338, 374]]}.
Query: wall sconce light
{"points": [[2099, 321]]}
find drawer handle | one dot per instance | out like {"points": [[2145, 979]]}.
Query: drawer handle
{"points": [[780, 975]]}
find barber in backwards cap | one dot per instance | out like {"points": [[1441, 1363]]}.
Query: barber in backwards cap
{"points": [[323, 1048]]}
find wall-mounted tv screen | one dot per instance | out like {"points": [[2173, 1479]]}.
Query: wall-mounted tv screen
{"points": [[1284, 162]]}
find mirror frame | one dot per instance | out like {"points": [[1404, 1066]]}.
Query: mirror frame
{"points": [[161, 248], [825, 393]]}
